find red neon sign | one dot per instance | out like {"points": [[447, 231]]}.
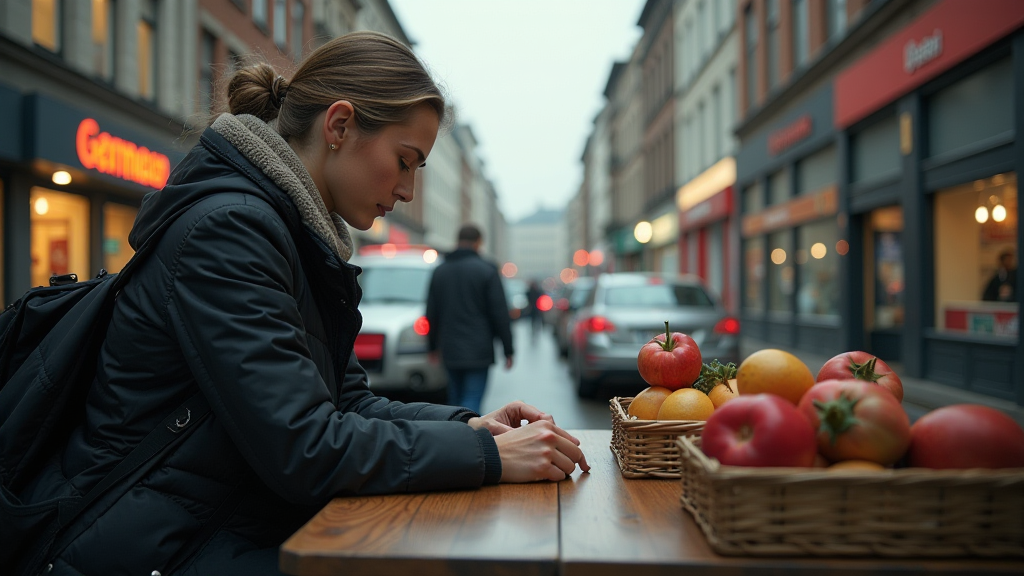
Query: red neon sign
{"points": [[120, 158]]}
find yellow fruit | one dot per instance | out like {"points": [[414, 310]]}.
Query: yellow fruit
{"points": [[775, 372], [686, 404], [856, 465], [721, 394], [646, 404]]}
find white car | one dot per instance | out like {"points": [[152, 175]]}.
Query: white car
{"points": [[392, 343]]}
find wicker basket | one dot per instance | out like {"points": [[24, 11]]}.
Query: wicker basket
{"points": [[912, 512], [647, 448]]}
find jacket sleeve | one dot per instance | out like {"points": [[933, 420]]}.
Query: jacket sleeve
{"points": [[230, 304], [497, 305], [356, 396]]}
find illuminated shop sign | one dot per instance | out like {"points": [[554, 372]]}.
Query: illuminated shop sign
{"points": [[917, 54], [789, 135], [108, 154]]}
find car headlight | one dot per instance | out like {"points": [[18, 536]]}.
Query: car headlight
{"points": [[410, 342]]}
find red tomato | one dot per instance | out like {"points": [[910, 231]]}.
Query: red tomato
{"points": [[862, 366], [671, 360], [759, 430], [856, 420], [966, 436]]}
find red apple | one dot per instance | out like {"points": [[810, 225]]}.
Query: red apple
{"points": [[671, 360]]}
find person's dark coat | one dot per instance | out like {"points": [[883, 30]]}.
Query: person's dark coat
{"points": [[467, 310], [1002, 286], [262, 321]]}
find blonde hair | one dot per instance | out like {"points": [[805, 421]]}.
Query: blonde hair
{"points": [[378, 75]]}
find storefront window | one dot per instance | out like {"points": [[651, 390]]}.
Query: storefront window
{"points": [[60, 234], [778, 187], [972, 110], [753, 274], [753, 198], [780, 271], [875, 152], [818, 269], [117, 223], [884, 280], [816, 171], [976, 258]]}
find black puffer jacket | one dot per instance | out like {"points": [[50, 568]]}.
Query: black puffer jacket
{"points": [[262, 322], [466, 304]]}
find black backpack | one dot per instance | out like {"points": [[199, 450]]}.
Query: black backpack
{"points": [[49, 345]]}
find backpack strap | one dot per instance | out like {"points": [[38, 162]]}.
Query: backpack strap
{"points": [[177, 425]]}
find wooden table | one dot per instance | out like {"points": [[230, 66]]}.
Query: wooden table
{"points": [[593, 524]]}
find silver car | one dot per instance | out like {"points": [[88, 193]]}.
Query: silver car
{"points": [[392, 343], [626, 309]]}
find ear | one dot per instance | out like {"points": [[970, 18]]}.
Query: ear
{"points": [[338, 123]]}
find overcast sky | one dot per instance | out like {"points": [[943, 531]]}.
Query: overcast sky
{"points": [[528, 76]]}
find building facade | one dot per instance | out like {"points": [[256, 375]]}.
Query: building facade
{"points": [[878, 176], [101, 98]]}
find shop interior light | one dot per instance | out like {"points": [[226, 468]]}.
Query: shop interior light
{"points": [[509, 270], [999, 213], [818, 250], [981, 214], [643, 232], [42, 206], [596, 257], [581, 257], [61, 177], [778, 256], [430, 256], [567, 275], [842, 247]]}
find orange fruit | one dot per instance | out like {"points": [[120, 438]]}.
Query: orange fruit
{"points": [[686, 404], [646, 404], [856, 465], [775, 372], [721, 393]]}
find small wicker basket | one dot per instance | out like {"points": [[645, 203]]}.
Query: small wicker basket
{"points": [[647, 448], [911, 512]]}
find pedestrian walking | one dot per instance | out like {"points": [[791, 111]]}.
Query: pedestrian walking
{"points": [[533, 293], [248, 300], [467, 310]]}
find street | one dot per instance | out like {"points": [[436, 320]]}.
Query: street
{"points": [[541, 378]]}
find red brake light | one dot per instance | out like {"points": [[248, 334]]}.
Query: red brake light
{"points": [[599, 324], [421, 326], [727, 325], [655, 280], [544, 303], [369, 346]]}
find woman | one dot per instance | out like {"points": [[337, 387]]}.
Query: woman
{"points": [[248, 298]]}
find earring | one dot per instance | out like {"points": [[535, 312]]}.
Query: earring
{"points": [[333, 147]]}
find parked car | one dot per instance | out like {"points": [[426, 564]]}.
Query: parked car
{"points": [[573, 296], [392, 343], [625, 310]]}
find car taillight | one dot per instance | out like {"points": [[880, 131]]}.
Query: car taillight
{"points": [[599, 324], [544, 303], [421, 326], [369, 346], [727, 325]]}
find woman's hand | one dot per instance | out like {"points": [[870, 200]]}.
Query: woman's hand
{"points": [[539, 451], [509, 417]]}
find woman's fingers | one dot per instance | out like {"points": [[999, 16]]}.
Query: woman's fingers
{"points": [[538, 451]]}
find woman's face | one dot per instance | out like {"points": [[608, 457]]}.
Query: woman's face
{"points": [[365, 176]]}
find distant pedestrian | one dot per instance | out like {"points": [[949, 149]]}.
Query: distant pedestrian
{"points": [[467, 310], [533, 293], [1003, 285]]}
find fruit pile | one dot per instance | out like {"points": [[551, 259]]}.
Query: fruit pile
{"points": [[772, 411]]}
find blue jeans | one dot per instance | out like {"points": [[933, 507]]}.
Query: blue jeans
{"points": [[466, 387]]}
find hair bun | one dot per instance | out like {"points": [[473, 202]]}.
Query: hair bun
{"points": [[257, 90]]}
